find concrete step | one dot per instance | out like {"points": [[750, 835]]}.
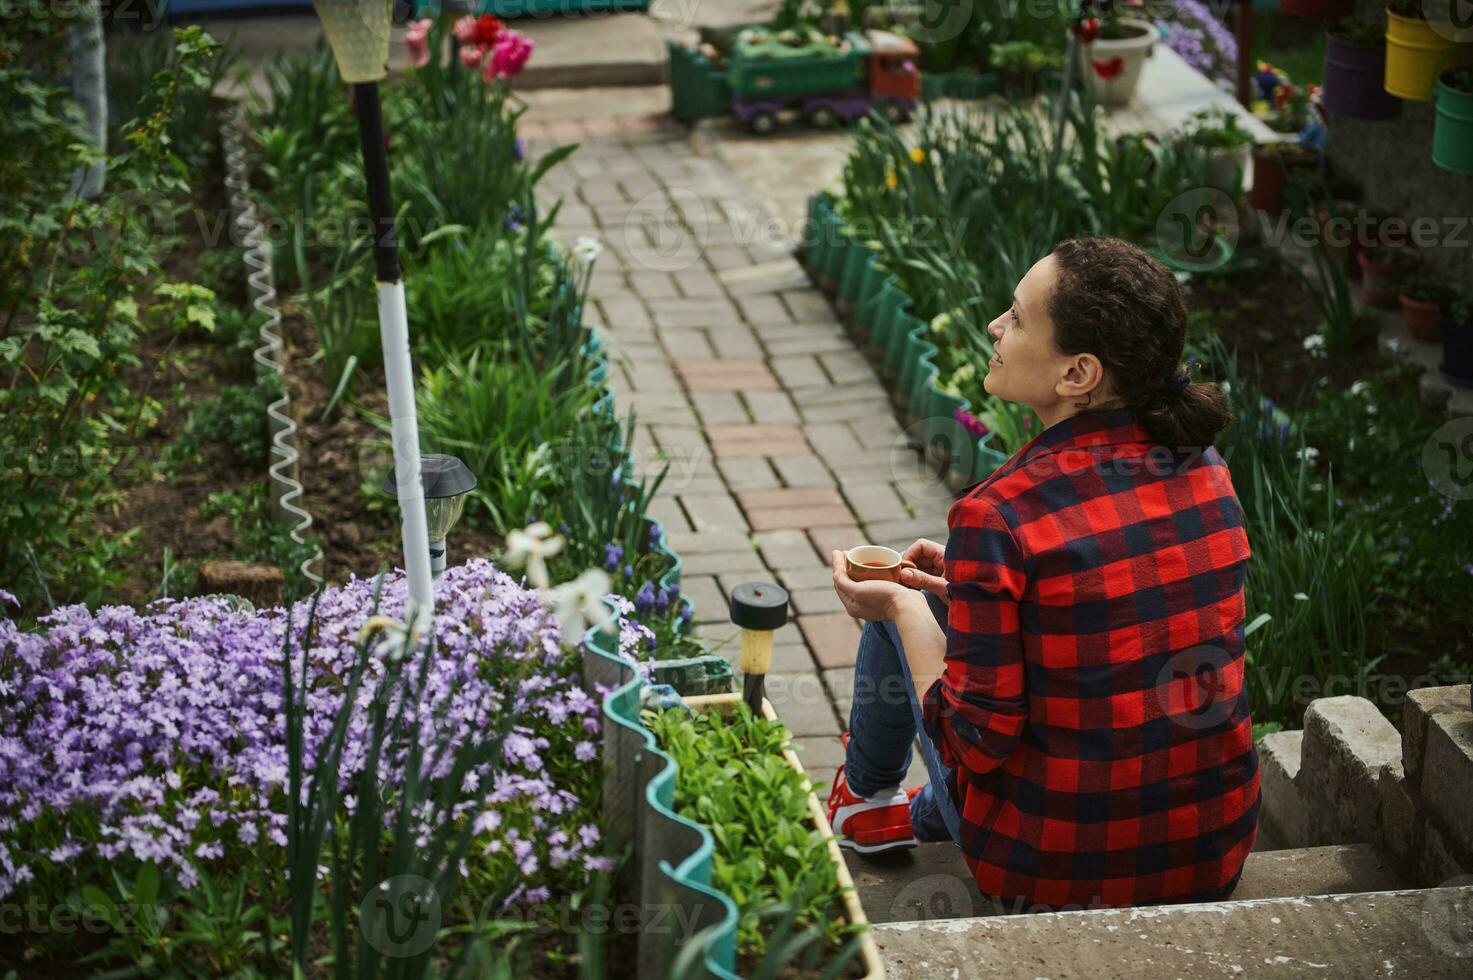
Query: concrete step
{"points": [[1414, 933], [931, 882]]}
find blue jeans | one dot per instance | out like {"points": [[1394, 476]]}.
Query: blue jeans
{"points": [[883, 721]]}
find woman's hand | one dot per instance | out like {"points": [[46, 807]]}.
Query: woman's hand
{"points": [[930, 567], [875, 601]]}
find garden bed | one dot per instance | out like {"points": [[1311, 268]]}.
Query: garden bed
{"points": [[563, 457], [684, 858]]}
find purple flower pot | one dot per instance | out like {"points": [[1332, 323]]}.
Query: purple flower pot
{"points": [[1355, 79], [1457, 352]]}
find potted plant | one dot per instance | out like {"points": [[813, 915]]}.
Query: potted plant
{"points": [[1457, 342], [1113, 51], [1383, 268], [1355, 71], [1290, 112], [1417, 44], [1020, 63], [1423, 299], [1225, 143], [1273, 163], [1452, 133]]}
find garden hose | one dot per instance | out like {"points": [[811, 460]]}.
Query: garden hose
{"points": [[248, 232]]}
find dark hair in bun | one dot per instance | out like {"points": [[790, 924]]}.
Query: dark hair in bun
{"points": [[1115, 301]]}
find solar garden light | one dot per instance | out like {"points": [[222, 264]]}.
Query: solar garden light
{"points": [[447, 482], [358, 33], [759, 608]]}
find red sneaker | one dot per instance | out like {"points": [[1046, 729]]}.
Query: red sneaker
{"points": [[869, 825]]}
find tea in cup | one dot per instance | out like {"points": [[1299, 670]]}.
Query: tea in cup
{"points": [[871, 562]]}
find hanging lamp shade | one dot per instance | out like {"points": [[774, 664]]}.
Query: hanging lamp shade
{"points": [[358, 33]]}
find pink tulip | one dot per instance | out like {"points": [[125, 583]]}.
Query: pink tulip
{"points": [[465, 29], [416, 40], [470, 56], [509, 55]]}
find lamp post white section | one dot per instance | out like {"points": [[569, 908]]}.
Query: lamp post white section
{"points": [[393, 323]]}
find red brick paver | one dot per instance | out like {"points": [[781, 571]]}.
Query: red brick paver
{"points": [[726, 374], [756, 440]]}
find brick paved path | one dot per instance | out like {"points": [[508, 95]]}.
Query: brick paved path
{"points": [[781, 440]]}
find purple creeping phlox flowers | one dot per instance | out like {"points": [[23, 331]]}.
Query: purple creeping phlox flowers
{"points": [[158, 736], [1204, 42]]}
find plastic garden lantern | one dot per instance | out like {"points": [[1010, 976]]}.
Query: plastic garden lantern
{"points": [[358, 32], [447, 482], [759, 608]]}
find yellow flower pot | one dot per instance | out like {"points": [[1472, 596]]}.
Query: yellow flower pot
{"points": [[1417, 50]]}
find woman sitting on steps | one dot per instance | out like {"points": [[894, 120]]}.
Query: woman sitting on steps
{"points": [[1072, 658]]}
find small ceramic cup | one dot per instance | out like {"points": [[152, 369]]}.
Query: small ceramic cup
{"points": [[871, 562]]}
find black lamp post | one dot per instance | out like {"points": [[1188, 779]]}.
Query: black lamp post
{"points": [[358, 33]]}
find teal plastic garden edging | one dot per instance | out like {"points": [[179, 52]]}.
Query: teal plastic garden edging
{"points": [[880, 310], [671, 868]]}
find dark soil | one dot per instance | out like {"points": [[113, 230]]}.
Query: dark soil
{"points": [[1265, 311], [163, 503], [344, 459]]}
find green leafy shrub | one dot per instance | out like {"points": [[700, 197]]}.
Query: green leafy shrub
{"points": [[77, 280], [235, 418]]}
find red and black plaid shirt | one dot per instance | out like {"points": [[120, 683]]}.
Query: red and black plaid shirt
{"points": [[1092, 700]]}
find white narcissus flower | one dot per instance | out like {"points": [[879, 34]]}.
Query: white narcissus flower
{"points": [[587, 250], [579, 604], [395, 642], [532, 546]]}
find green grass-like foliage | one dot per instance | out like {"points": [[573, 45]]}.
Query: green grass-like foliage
{"points": [[732, 779], [993, 192]]}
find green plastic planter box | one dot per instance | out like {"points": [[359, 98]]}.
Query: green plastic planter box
{"points": [[698, 90]]}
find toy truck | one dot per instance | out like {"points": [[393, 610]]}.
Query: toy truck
{"points": [[873, 70]]}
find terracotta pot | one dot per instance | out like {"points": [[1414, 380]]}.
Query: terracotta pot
{"points": [[1272, 164], [1423, 319], [1382, 279]]}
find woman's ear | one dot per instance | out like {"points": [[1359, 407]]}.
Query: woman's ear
{"points": [[1084, 374]]}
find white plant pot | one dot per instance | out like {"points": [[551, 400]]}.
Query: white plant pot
{"points": [[1113, 68], [1228, 169]]}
